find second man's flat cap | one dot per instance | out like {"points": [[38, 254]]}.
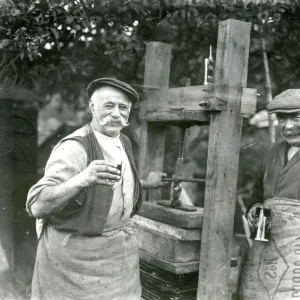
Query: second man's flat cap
{"points": [[286, 102], [124, 87]]}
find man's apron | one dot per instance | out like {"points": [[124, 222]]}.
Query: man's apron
{"points": [[76, 267]]}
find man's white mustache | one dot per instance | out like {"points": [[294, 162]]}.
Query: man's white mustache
{"points": [[291, 132], [108, 121]]}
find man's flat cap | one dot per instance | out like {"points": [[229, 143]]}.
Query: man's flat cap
{"points": [[124, 87], [286, 102]]}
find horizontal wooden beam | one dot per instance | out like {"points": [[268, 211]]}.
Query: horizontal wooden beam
{"points": [[191, 103], [183, 98], [177, 115]]}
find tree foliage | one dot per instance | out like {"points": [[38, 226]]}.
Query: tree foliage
{"points": [[51, 45]]}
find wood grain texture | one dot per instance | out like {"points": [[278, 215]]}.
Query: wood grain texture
{"points": [[166, 248], [143, 146], [182, 104], [152, 142], [169, 230], [156, 153], [177, 115], [157, 65], [177, 268], [222, 162], [184, 98]]}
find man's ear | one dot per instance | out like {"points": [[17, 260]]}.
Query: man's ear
{"points": [[91, 105], [130, 106]]}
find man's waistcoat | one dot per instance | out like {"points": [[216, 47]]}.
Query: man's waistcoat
{"points": [[87, 213], [280, 179]]}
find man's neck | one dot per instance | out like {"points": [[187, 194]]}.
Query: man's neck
{"points": [[292, 151], [294, 145], [104, 133]]}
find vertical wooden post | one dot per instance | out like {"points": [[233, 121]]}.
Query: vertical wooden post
{"points": [[152, 143], [222, 163], [6, 189]]}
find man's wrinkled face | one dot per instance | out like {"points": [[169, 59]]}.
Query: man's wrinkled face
{"points": [[110, 108], [290, 127]]}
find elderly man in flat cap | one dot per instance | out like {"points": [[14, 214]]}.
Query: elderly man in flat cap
{"points": [[280, 175], [272, 268], [88, 247]]}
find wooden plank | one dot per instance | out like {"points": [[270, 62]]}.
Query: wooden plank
{"points": [[177, 268], [222, 162], [156, 244], [156, 153], [172, 216], [143, 146], [152, 143], [183, 98], [179, 115], [169, 230], [157, 65], [167, 248]]}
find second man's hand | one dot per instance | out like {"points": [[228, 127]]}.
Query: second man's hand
{"points": [[251, 214], [154, 180]]}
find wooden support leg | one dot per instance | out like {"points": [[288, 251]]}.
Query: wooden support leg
{"points": [[222, 163], [152, 143]]}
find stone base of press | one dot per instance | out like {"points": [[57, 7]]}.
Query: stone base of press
{"points": [[169, 244], [172, 216], [171, 248], [169, 260]]}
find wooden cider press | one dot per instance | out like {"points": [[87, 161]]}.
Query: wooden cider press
{"points": [[178, 177]]}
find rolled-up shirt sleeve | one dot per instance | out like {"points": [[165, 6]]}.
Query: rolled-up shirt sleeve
{"points": [[67, 159]]}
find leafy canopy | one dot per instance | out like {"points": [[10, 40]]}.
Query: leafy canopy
{"points": [[59, 46]]}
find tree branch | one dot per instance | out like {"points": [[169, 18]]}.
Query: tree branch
{"points": [[3, 60], [10, 63], [16, 74]]}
